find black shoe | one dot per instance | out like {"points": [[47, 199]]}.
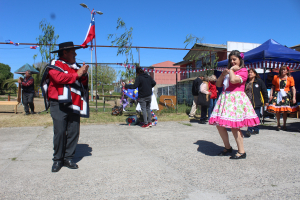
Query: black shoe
{"points": [[278, 128], [28, 113], [255, 133], [56, 166], [70, 164], [284, 128], [241, 156], [33, 113], [225, 152], [248, 134], [202, 122]]}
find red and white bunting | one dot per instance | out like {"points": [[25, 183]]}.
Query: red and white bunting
{"points": [[268, 64]]}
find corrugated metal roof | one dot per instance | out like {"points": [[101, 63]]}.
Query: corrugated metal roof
{"points": [[213, 45], [296, 46], [196, 54]]}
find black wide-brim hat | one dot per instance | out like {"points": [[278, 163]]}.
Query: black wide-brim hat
{"points": [[66, 46]]}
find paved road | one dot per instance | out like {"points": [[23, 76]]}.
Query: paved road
{"points": [[174, 160]]}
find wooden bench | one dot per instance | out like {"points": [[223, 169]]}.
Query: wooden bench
{"points": [[13, 103]]}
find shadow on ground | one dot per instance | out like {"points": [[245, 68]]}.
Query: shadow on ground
{"points": [[82, 150], [208, 148]]}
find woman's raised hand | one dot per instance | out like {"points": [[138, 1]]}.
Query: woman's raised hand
{"points": [[225, 72], [235, 68]]}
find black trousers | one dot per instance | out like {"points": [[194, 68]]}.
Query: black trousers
{"points": [[203, 112], [145, 103], [27, 99], [66, 131]]}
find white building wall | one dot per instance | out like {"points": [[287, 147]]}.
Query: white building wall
{"points": [[242, 47]]}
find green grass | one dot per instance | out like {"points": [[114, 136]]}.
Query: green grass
{"points": [[181, 108], [13, 159], [93, 103], [187, 124]]}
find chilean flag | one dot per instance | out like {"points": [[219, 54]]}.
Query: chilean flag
{"points": [[91, 32], [33, 47]]}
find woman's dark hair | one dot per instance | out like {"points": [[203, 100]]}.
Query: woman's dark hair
{"points": [[237, 54], [139, 70], [254, 71], [282, 68]]}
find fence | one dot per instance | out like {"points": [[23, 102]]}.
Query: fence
{"points": [[184, 92], [118, 89]]}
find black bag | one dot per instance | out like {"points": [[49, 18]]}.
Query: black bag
{"points": [[117, 110], [203, 99]]}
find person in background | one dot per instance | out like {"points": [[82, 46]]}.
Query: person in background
{"points": [[144, 83], [257, 92], [233, 108], [282, 100], [195, 91], [214, 93], [205, 90], [28, 92], [269, 80]]}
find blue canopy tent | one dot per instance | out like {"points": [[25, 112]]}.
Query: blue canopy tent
{"points": [[269, 55]]}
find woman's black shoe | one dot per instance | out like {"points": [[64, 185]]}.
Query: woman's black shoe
{"points": [[225, 152], [278, 128], [284, 128], [241, 156]]}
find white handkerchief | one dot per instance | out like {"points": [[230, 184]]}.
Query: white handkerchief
{"points": [[226, 82], [281, 94]]}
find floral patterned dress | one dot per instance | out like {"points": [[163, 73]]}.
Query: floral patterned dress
{"points": [[233, 108], [286, 103]]}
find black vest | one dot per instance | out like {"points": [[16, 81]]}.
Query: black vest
{"points": [[28, 89]]}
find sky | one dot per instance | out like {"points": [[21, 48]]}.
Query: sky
{"points": [[156, 23]]}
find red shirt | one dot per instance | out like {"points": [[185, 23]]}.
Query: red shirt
{"points": [[59, 79], [27, 83], [213, 89]]}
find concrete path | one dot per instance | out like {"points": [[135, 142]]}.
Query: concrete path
{"points": [[174, 160]]}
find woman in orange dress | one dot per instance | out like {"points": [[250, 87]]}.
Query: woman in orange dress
{"points": [[282, 100]]}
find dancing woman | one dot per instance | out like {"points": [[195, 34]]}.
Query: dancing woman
{"points": [[233, 108]]}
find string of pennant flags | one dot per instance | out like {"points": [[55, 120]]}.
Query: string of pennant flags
{"points": [[256, 65], [17, 44]]}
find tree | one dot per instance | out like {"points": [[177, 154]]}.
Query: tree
{"points": [[40, 66], [124, 41], [10, 84], [208, 62], [5, 73], [34, 57], [47, 40], [106, 75], [129, 74]]}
